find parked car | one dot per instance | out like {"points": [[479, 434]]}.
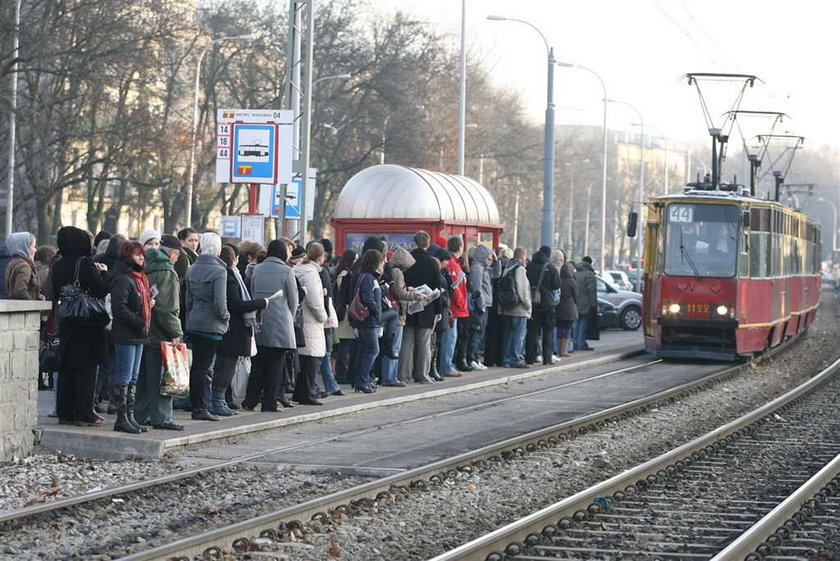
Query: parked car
{"points": [[620, 279], [828, 280], [628, 304], [609, 314]]}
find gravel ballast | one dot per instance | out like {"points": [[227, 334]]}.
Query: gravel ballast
{"points": [[429, 523]]}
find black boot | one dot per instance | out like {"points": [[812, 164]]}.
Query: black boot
{"points": [[130, 397], [433, 368], [112, 401], [122, 424]]}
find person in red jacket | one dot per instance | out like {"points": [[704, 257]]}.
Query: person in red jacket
{"points": [[458, 307]]}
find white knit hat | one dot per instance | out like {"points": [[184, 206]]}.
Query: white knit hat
{"points": [[148, 235], [211, 243]]}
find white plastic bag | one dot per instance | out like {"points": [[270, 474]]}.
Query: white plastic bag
{"points": [[239, 384]]}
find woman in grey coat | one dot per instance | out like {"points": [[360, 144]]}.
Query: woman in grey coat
{"points": [[207, 319], [276, 335]]}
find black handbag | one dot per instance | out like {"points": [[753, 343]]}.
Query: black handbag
{"points": [[300, 336], [77, 307], [48, 357]]}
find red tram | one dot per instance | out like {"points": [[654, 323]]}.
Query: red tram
{"points": [[727, 275]]}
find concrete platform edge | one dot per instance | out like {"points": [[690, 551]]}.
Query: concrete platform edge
{"points": [[309, 417]]}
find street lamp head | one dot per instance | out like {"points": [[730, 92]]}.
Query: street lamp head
{"points": [[246, 37], [344, 76], [496, 18], [565, 64]]}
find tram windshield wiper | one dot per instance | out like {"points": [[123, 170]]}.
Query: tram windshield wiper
{"points": [[687, 257]]}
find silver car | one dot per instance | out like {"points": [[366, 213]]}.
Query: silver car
{"points": [[628, 304]]}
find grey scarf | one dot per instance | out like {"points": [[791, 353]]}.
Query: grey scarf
{"points": [[250, 318]]}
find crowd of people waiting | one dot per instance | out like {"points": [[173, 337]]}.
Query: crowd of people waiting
{"points": [[307, 320]]}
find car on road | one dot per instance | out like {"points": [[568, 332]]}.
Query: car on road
{"points": [[609, 314], [620, 279], [628, 304], [828, 280]]}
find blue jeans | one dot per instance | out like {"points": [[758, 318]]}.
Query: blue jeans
{"points": [[330, 385], [448, 340], [127, 363], [513, 340], [389, 365], [367, 349], [579, 331]]}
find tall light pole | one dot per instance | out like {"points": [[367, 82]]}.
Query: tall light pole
{"points": [[834, 230], [602, 258], [304, 219], [10, 166], [664, 136], [462, 104], [194, 126], [641, 194], [547, 230]]}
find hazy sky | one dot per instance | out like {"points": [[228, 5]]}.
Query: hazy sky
{"points": [[641, 48]]}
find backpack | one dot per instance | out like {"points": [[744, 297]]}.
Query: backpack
{"points": [[508, 291]]}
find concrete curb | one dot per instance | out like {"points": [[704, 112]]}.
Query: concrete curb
{"points": [[114, 445]]}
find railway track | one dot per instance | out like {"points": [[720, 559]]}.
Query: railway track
{"points": [[275, 525], [148, 484], [751, 489]]}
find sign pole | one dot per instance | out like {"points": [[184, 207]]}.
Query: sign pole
{"points": [[253, 198]]}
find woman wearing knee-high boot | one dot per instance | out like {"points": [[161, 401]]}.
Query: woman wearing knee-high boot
{"points": [[314, 317], [131, 305]]}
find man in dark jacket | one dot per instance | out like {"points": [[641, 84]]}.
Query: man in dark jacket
{"points": [[5, 257], [416, 352], [587, 302], [152, 408], [544, 280]]}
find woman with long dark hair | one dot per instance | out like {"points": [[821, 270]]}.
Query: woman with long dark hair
{"points": [[369, 329], [131, 305], [346, 336]]}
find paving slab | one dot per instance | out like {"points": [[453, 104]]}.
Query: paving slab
{"points": [[103, 442]]}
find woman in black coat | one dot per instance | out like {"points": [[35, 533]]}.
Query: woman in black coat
{"points": [[238, 340], [131, 305], [566, 311], [81, 348]]}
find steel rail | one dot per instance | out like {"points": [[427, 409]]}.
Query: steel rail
{"points": [[757, 536], [51, 506], [237, 536], [528, 530]]}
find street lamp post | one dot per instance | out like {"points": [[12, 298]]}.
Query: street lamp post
{"points": [[194, 127], [603, 165], [834, 230], [10, 165], [638, 244], [462, 97], [305, 152], [547, 230]]}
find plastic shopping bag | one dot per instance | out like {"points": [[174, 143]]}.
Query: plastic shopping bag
{"points": [[174, 370], [239, 385]]}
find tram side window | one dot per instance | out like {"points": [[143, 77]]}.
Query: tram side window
{"points": [[760, 254]]}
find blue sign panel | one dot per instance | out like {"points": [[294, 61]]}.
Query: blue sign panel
{"points": [[293, 191], [254, 154]]}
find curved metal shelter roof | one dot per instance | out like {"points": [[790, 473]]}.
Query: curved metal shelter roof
{"points": [[397, 192]]}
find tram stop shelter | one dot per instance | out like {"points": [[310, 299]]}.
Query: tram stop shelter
{"points": [[396, 201]]}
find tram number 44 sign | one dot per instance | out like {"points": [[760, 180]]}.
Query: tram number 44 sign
{"points": [[680, 213]]}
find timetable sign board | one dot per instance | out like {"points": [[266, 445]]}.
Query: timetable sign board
{"points": [[254, 146]]}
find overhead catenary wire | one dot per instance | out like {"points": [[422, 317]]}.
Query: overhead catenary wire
{"points": [[685, 32], [708, 35]]}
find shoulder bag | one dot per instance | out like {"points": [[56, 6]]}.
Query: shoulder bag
{"points": [[77, 306]]}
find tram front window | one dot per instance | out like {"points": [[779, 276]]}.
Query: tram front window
{"points": [[701, 240]]}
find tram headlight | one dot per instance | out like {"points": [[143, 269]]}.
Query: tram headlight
{"points": [[674, 309], [722, 310]]}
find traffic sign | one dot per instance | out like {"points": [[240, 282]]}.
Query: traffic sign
{"points": [[230, 227], [254, 146], [270, 199], [253, 154]]}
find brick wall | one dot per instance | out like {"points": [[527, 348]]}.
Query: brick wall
{"points": [[19, 324]]}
